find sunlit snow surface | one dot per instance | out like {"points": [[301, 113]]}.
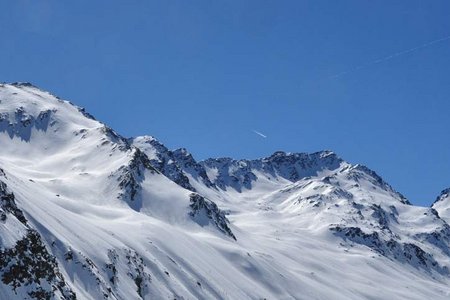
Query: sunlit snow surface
{"points": [[120, 222]]}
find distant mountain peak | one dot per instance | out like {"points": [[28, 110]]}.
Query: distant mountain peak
{"points": [[443, 196], [25, 84]]}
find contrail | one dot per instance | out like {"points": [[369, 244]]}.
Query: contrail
{"points": [[391, 56], [260, 134]]}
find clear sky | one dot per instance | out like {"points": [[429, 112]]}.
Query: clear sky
{"points": [[308, 75]]}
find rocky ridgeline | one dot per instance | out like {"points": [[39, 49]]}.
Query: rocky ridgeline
{"points": [[443, 196], [131, 175], [349, 206], [163, 160], [175, 165], [204, 212], [240, 174]]}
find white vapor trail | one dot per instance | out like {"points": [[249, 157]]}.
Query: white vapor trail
{"points": [[260, 134], [391, 56]]}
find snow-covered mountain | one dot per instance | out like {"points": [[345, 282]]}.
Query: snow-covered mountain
{"points": [[88, 214], [442, 204]]}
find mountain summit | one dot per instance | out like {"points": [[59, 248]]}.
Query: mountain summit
{"points": [[88, 214]]}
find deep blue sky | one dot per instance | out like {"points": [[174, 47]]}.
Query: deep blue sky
{"points": [[204, 74]]}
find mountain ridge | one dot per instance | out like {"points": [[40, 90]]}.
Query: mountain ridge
{"points": [[127, 218]]}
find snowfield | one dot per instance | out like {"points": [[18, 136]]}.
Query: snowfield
{"points": [[88, 214]]}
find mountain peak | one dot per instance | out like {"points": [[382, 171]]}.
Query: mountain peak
{"points": [[443, 196], [442, 204], [120, 218], [182, 152], [26, 84]]}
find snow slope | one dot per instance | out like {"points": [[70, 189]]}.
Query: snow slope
{"points": [[88, 214]]}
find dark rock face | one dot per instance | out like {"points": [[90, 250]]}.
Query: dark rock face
{"points": [[137, 272], [31, 267], [392, 248], [85, 113], [445, 194], [204, 211], [176, 165], [439, 238], [171, 170], [25, 84], [132, 174], [382, 217], [164, 161], [294, 166], [113, 137], [232, 173], [240, 174], [22, 123], [189, 165], [28, 266], [8, 204]]}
